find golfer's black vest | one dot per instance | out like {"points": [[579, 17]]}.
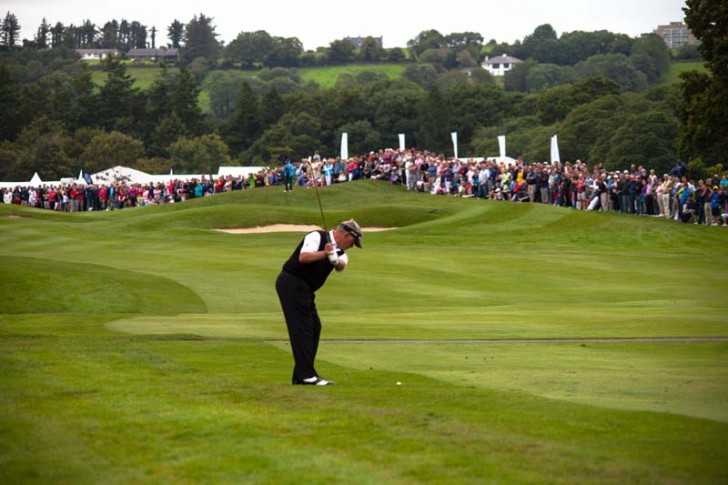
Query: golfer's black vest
{"points": [[314, 274]]}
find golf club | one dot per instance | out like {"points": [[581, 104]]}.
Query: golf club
{"points": [[318, 197]]}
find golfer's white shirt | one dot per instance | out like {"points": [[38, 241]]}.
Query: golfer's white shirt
{"points": [[312, 241]]}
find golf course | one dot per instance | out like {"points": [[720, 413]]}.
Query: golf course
{"points": [[473, 341]]}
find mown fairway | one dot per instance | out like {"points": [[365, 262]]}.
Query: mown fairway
{"points": [[140, 346]]}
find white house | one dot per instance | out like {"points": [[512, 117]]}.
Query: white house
{"points": [[499, 65], [96, 54]]}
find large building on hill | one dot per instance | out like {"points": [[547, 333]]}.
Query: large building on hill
{"points": [[676, 35]]}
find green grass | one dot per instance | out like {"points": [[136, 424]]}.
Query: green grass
{"points": [[677, 68], [143, 77], [326, 77], [140, 346]]}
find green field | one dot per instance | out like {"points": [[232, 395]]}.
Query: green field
{"points": [[534, 344], [677, 68], [326, 77], [143, 76]]}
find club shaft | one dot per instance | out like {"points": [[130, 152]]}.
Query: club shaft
{"points": [[318, 198]]}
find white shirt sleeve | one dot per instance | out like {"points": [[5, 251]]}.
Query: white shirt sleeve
{"points": [[311, 242]]}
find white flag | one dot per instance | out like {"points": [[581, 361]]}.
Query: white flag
{"points": [[454, 136], [555, 149], [344, 146], [401, 141], [502, 145]]}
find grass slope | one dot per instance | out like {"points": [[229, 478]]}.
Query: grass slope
{"points": [[140, 346]]}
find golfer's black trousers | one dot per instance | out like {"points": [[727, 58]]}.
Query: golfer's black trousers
{"points": [[304, 327]]}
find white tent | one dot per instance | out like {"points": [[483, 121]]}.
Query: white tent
{"points": [[238, 171], [35, 181], [120, 174]]}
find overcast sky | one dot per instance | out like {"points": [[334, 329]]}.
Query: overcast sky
{"points": [[319, 22]]}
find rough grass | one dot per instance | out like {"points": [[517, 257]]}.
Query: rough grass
{"points": [[677, 68], [140, 346]]}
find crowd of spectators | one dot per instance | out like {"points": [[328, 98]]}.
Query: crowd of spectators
{"points": [[636, 190]]}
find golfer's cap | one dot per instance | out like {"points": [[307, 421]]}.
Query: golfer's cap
{"points": [[352, 227]]}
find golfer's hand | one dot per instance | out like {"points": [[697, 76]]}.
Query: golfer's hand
{"points": [[331, 254]]}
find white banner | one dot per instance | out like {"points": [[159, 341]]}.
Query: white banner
{"points": [[401, 141], [344, 146], [555, 149], [454, 136], [502, 145]]}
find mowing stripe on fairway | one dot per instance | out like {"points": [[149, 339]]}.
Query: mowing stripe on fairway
{"points": [[518, 341]]}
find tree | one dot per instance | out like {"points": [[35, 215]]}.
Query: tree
{"points": [[272, 108], [341, 106], [124, 37], [615, 67], [427, 39], [285, 52], [106, 150], [395, 109], [175, 33], [200, 40], [544, 76], [66, 99], [471, 42], [340, 52], [438, 58], [424, 75], [577, 46], [708, 20], [10, 106], [203, 154], [249, 48], [370, 50], [555, 104], [588, 125], [110, 35], [515, 79], [543, 38], [394, 55], [471, 106], [244, 127], [9, 30], [645, 138], [117, 97], [651, 46], [138, 35], [362, 136], [57, 35], [42, 149], [9, 155], [295, 135], [224, 89], [704, 111], [434, 122], [87, 35], [185, 95], [167, 131], [41, 36]]}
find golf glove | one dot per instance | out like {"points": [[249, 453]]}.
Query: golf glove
{"points": [[333, 258]]}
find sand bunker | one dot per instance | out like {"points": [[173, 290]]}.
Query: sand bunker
{"points": [[289, 228]]}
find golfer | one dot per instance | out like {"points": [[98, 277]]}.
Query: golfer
{"points": [[305, 272]]}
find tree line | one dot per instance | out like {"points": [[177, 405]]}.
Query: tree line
{"points": [[604, 106]]}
